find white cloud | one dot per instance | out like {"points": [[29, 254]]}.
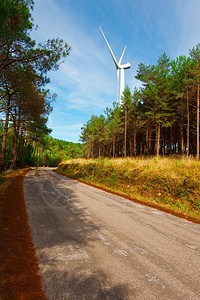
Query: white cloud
{"points": [[88, 77], [73, 127], [187, 13], [70, 133]]}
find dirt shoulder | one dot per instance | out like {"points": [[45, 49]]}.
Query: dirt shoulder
{"points": [[19, 277]]}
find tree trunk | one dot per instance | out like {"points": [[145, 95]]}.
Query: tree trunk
{"points": [[149, 136], [198, 122], [99, 149], [188, 125], [24, 148], [5, 133], [92, 150], [171, 140], [113, 145], [20, 141], [86, 151], [125, 129], [16, 125], [14, 149], [157, 138], [131, 146], [26, 137], [181, 137], [134, 140]]}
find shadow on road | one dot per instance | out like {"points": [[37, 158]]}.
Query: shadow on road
{"points": [[71, 286], [63, 235]]}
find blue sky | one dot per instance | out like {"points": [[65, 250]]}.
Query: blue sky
{"points": [[86, 83]]}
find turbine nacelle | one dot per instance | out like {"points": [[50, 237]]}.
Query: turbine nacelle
{"points": [[126, 66]]}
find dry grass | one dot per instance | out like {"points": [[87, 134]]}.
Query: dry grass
{"points": [[169, 183]]}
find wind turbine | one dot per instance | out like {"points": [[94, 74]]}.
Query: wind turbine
{"points": [[118, 67]]}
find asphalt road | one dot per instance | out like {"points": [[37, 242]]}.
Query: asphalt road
{"points": [[94, 245]]}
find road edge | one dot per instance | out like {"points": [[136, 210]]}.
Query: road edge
{"points": [[19, 268]]}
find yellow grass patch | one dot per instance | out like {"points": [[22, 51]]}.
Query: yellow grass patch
{"points": [[170, 183]]}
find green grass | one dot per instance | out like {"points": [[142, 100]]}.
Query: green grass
{"points": [[170, 183]]}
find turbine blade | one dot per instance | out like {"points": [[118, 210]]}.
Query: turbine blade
{"points": [[112, 54], [122, 56]]}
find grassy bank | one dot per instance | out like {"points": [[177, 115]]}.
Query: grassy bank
{"points": [[169, 183]]}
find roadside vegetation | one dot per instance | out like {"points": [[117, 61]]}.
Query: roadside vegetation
{"points": [[158, 121], [172, 184]]}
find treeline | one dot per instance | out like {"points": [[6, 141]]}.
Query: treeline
{"points": [[161, 117], [24, 101], [50, 152], [39, 150]]}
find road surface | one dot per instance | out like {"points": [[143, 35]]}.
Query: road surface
{"points": [[94, 245]]}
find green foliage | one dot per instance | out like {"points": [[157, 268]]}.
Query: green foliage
{"points": [[15, 18], [46, 151], [159, 118], [24, 101], [50, 152]]}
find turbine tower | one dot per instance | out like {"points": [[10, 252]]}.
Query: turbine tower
{"points": [[118, 67]]}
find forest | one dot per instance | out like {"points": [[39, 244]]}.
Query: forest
{"points": [[160, 118], [25, 101]]}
